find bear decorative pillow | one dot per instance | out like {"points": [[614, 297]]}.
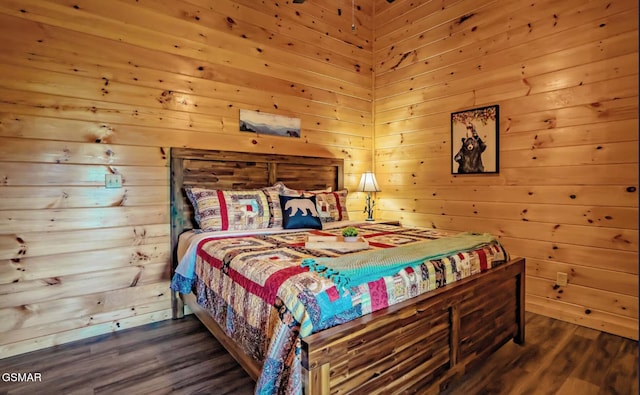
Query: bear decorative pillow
{"points": [[299, 212]]}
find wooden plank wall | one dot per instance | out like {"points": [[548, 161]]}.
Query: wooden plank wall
{"points": [[565, 75], [93, 87]]}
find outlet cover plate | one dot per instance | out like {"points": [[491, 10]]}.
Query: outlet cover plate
{"points": [[113, 181], [561, 279]]}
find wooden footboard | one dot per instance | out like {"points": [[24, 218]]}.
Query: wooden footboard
{"points": [[420, 345]]}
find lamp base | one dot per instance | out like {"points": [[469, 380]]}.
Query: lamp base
{"points": [[368, 209]]}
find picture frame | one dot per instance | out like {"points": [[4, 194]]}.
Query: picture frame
{"points": [[474, 140], [272, 124]]}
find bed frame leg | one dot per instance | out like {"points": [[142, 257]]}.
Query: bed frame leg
{"points": [[520, 312], [316, 381], [177, 306]]}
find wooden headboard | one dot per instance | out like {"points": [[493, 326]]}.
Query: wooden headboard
{"points": [[242, 170]]}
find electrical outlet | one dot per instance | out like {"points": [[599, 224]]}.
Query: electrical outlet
{"points": [[113, 181], [561, 279]]}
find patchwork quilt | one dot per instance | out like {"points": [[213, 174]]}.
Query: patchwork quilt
{"points": [[266, 295]]}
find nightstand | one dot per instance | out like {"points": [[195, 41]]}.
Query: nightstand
{"points": [[394, 223]]}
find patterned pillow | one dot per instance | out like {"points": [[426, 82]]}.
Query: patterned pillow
{"points": [[286, 191], [332, 206], [275, 212], [231, 210], [299, 212]]}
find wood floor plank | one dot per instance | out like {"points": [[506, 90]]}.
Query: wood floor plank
{"points": [[594, 364], [622, 375], [577, 386], [181, 357], [558, 370]]}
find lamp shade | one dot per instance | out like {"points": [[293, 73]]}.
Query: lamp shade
{"points": [[368, 183]]}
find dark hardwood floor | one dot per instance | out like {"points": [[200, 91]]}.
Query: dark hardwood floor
{"points": [[178, 356], [182, 357]]}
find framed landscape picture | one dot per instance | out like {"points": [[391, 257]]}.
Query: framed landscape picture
{"points": [[263, 123], [474, 140]]}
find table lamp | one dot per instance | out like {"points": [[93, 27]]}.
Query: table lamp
{"points": [[368, 183]]}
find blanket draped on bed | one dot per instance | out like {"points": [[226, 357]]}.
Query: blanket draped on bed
{"points": [[257, 289], [352, 270]]}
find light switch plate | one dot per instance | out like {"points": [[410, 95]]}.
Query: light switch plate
{"points": [[113, 181]]}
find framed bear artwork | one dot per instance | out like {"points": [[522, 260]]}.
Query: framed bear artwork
{"points": [[474, 140]]}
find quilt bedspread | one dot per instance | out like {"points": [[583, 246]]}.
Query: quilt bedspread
{"points": [[261, 294]]}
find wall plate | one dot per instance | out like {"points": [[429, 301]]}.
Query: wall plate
{"points": [[113, 181], [561, 279]]}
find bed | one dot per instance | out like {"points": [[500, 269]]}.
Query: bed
{"points": [[418, 344]]}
